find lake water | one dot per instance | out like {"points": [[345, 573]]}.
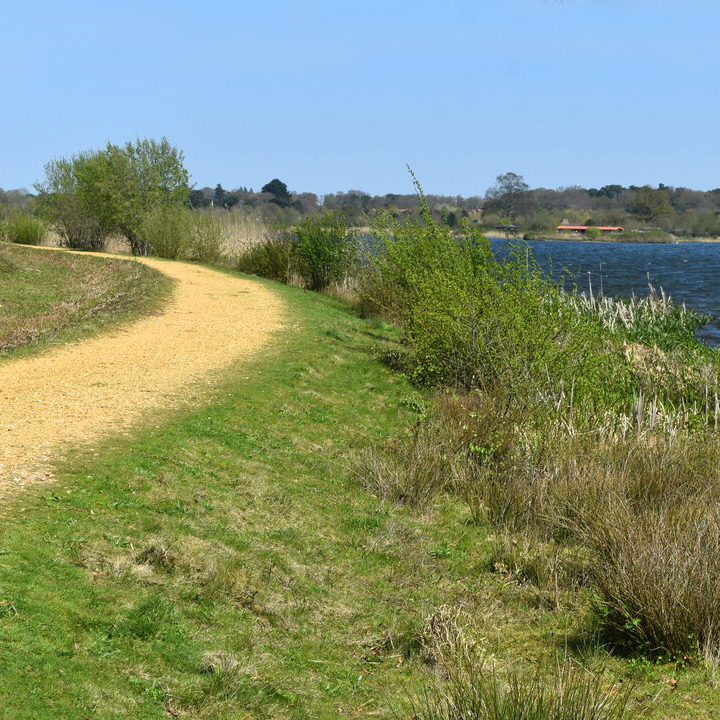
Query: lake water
{"points": [[689, 272]]}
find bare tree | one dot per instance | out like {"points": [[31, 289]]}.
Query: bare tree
{"points": [[508, 197]]}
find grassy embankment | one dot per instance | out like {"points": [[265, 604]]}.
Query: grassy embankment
{"points": [[50, 297], [230, 563]]}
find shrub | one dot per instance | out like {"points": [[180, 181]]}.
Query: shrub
{"points": [[77, 227], [270, 259], [320, 251], [114, 190], [166, 229], [473, 321], [24, 229], [181, 234], [206, 238], [323, 250]]}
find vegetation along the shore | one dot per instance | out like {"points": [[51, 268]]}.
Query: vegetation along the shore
{"points": [[581, 432]]}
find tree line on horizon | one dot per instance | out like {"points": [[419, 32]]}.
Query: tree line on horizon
{"points": [[510, 201], [678, 210]]}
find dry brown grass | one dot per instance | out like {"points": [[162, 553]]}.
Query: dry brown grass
{"points": [[633, 516], [73, 291], [241, 232]]}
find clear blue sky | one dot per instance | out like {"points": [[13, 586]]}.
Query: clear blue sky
{"points": [[332, 95]]}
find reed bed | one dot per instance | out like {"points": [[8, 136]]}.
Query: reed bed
{"points": [[653, 318]]}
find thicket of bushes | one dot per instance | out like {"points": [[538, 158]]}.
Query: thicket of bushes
{"points": [[586, 423], [318, 253], [547, 428]]}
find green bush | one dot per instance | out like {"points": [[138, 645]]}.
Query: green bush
{"points": [[181, 234], [318, 252], [24, 229], [166, 229], [205, 238], [113, 191], [271, 259], [77, 227], [323, 250], [473, 321]]}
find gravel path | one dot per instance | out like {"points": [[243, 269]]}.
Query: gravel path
{"points": [[77, 394]]}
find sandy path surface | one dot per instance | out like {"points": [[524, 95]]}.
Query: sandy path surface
{"points": [[76, 394]]}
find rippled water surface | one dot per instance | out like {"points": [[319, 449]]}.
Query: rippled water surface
{"points": [[688, 272]]}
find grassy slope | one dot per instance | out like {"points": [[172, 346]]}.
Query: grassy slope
{"points": [[226, 564], [51, 297], [234, 529]]}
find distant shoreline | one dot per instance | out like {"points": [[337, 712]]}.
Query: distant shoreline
{"points": [[673, 240]]}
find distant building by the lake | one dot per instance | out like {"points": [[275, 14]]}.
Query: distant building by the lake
{"points": [[582, 229]]}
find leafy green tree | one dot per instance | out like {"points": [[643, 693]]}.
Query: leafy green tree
{"points": [[132, 181], [649, 204], [118, 188], [609, 191], [279, 191], [61, 203]]}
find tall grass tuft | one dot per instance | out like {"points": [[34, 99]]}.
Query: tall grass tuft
{"points": [[414, 472], [656, 571], [241, 232], [633, 516], [481, 691], [24, 229]]}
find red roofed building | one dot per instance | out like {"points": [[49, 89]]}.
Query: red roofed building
{"points": [[584, 228]]}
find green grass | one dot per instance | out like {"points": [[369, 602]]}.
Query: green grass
{"points": [[235, 530], [229, 564], [49, 297]]}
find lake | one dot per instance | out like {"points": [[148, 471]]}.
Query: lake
{"points": [[689, 272]]}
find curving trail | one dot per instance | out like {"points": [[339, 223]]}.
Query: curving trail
{"points": [[76, 394]]}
